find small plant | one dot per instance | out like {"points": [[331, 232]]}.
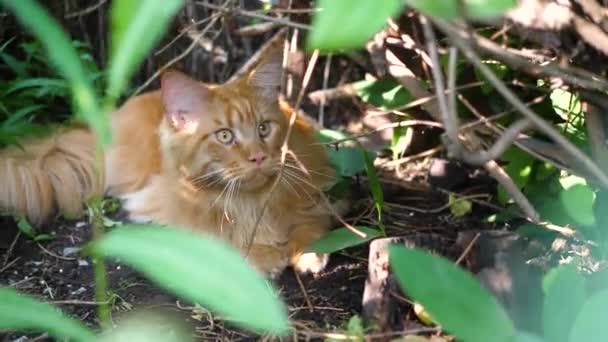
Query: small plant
{"points": [[32, 96]]}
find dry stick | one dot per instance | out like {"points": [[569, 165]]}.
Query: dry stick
{"points": [[53, 254], [86, 10], [182, 33], [429, 152], [450, 119], [426, 99], [304, 293], [495, 129], [442, 207], [498, 173], [9, 251], [596, 123], [325, 82], [178, 58], [255, 15], [405, 123], [517, 60], [9, 264], [540, 123], [449, 113], [467, 249]]}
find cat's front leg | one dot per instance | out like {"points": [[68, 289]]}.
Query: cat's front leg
{"points": [[300, 238], [268, 259]]}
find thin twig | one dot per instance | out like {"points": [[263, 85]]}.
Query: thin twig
{"points": [[408, 159], [9, 264], [539, 122], [467, 249], [438, 209], [86, 10], [516, 59], [404, 123], [325, 82], [304, 292], [255, 15], [179, 57], [55, 255], [9, 251]]}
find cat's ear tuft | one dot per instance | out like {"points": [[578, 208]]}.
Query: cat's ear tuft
{"points": [[266, 76], [183, 99]]}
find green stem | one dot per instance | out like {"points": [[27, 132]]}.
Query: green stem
{"points": [[99, 266]]}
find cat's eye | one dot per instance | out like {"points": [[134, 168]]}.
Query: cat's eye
{"points": [[225, 136], [264, 129]]}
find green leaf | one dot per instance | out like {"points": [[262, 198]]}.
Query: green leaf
{"points": [[20, 312], [42, 82], [565, 103], [25, 227], [329, 135], [341, 238], [459, 206], [450, 295], [519, 168], [137, 25], [348, 161], [344, 24], [375, 187], [200, 269], [374, 182], [383, 93], [499, 70], [590, 324], [564, 291], [355, 327], [448, 9], [61, 53], [577, 201], [523, 336], [21, 114], [401, 139]]}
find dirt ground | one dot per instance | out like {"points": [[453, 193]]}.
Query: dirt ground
{"points": [[54, 272]]}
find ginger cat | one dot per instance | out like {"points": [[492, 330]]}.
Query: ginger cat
{"points": [[195, 155]]}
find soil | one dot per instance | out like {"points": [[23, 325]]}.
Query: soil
{"points": [[54, 272]]}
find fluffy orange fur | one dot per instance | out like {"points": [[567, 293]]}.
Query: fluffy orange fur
{"points": [[199, 156]]}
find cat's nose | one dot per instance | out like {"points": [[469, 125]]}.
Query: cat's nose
{"points": [[258, 158]]}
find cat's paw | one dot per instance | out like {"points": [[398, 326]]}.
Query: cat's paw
{"points": [[310, 263]]}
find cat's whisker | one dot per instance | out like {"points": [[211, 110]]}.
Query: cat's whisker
{"points": [[287, 164], [208, 175], [228, 198], [302, 179], [298, 182], [221, 193], [289, 186]]}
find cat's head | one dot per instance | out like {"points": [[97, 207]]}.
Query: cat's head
{"points": [[217, 134]]}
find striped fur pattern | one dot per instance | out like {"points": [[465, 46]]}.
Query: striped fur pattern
{"points": [[42, 177]]}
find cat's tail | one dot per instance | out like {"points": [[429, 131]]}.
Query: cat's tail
{"points": [[42, 177]]}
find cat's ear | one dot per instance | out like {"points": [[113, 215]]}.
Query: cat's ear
{"points": [[266, 76], [183, 99]]}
